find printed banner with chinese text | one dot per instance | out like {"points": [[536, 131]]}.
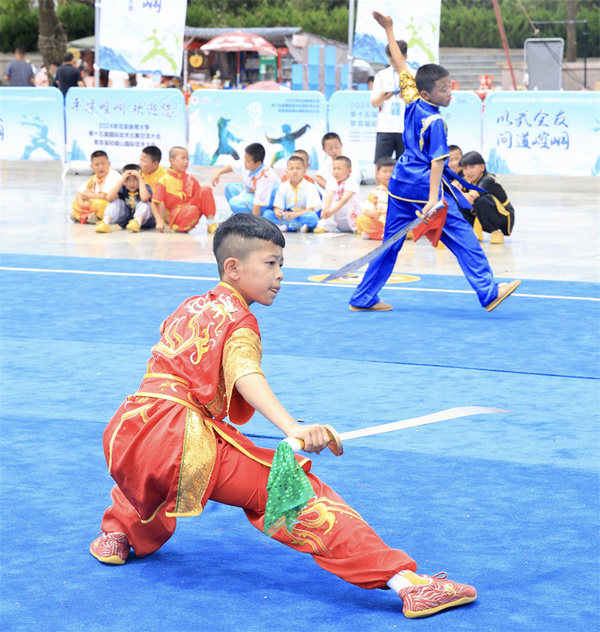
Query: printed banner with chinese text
{"points": [[123, 122], [542, 133], [142, 36]]}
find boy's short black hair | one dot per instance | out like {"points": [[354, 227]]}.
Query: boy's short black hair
{"points": [[99, 154], [428, 74], [131, 167], [402, 45], [256, 151], [454, 148], [296, 158], [153, 152], [330, 136], [303, 154], [385, 162], [238, 236], [68, 57], [472, 158], [21, 50], [345, 160]]}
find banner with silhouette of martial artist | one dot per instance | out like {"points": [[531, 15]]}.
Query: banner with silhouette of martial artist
{"points": [[142, 36]]}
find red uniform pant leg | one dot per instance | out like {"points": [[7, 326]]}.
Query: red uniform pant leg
{"points": [[339, 540], [144, 538], [184, 217], [205, 201]]}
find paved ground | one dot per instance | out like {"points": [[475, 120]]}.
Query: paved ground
{"points": [[555, 236]]}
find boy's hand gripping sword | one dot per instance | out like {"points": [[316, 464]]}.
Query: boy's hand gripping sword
{"points": [[337, 447], [362, 261], [289, 489]]}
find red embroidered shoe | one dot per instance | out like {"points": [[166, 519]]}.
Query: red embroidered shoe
{"points": [[440, 593], [111, 548]]}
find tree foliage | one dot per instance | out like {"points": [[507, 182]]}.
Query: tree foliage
{"points": [[464, 23]]}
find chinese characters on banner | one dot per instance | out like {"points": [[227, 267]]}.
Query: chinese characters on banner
{"points": [[142, 36], [122, 122], [544, 134], [417, 23]]}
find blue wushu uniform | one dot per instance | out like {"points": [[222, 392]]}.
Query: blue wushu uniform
{"points": [[425, 141]]}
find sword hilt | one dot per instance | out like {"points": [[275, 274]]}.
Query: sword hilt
{"points": [[335, 441], [430, 212]]}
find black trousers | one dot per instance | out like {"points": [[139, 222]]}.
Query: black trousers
{"points": [[387, 144]]}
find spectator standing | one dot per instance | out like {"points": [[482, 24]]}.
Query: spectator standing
{"points": [[68, 75], [387, 96], [18, 72]]}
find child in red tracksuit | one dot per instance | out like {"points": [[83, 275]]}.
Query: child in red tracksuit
{"points": [[180, 199]]}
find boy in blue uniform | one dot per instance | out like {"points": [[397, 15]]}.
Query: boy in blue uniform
{"points": [[418, 182]]}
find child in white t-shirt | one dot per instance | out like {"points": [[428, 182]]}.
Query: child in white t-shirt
{"points": [[342, 203], [332, 146], [257, 193]]}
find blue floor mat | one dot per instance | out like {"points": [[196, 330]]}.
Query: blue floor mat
{"points": [[506, 502]]}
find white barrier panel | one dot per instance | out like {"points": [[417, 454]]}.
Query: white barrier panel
{"points": [[223, 122], [542, 133], [354, 119], [352, 116], [464, 119], [123, 122], [32, 124]]}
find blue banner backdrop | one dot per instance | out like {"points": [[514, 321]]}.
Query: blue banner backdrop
{"points": [[223, 122], [542, 133], [32, 124], [123, 122]]}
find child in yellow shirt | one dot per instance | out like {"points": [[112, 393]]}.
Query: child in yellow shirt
{"points": [[372, 222]]}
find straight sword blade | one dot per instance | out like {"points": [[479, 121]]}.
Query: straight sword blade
{"points": [[450, 413], [362, 261]]}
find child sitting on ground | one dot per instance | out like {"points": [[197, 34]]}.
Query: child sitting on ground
{"points": [[257, 192], [492, 211], [332, 146], [296, 200], [90, 200], [342, 203], [180, 199], [454, 159], [129, 203], [372, 222], [152, 171], [170, 450], [304, 155]]}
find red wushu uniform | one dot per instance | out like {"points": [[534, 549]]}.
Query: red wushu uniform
{"points": [[185, 199], [169, 449]]}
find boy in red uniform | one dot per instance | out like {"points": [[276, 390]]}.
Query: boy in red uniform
{"points": [[170, 451], [180, 199]]}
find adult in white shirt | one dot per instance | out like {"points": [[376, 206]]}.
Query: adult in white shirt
{"points": [[118, 79], [387, 96]]}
